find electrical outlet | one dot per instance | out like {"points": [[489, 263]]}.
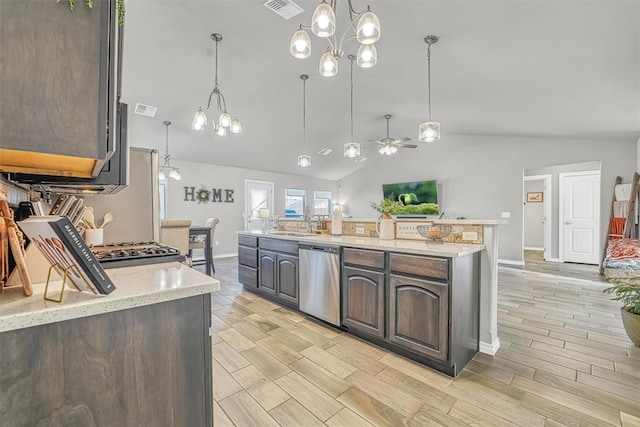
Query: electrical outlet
{"points": [[506, 214], [359, 230], [217, 242], [469, 235]]}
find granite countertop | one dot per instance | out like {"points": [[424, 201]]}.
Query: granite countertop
{"points": [[418, 247], [135, 286]]}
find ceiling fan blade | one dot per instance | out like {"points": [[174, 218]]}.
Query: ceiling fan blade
{"points": [[407, 145], [404, 139], [375, 140]]}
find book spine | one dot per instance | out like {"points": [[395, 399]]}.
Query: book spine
{"points": [[83, 255]]}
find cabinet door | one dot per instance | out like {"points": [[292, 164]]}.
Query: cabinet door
{"points": [[287, 278], [267, 272], [363, 300], [418, 316]]}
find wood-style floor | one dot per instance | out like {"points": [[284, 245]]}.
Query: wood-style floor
{"points": [[564, 360]]}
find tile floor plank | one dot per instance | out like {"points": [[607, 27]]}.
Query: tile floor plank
{"points": [[308, 395], [331, 384], [266, 363], [347, 418], [328, 361], [243, 410], [374, 411], [293, 414]]}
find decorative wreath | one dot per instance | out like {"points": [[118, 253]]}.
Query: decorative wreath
{"points": [[203, 195]]}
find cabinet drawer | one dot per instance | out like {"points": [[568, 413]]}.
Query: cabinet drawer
{"points": [[248, 241], [248, 256], [438, 268], [287, 246], [248, 276], [363, 257]]}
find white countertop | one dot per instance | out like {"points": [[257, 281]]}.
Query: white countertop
{"points": [[135, 286], [418, 247]]}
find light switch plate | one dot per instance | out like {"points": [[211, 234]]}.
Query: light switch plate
{"points": [[506, 214], [359, 230]]}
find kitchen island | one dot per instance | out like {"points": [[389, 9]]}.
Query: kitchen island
{"points": [[138, 356], [419, 300]]}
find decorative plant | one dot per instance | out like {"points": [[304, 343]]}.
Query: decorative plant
{"points": [[389, 206], [203, 195], [627, 291], [119, 8]]}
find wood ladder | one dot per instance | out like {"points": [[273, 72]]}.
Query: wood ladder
{"points": [[629, 221]]}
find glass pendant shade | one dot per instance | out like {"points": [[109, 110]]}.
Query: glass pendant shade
{"points": [[300, 44], [161, 174], [368, 31], [323, 22], [388, 150], [352, 150], [429, 132], [220, 131], [328, 65], [304, 160], [224, 120], [367, 55], [236, 126], [175, 174], [199, 120]]}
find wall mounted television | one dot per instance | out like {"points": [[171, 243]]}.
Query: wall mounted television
{"points": [[418, 197]]}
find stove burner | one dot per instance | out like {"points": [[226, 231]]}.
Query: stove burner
{"points": [[135, 253]]}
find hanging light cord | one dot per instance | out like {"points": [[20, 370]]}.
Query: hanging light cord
{"points": [[428, 77], [222, 104], [304, 114], [166, 151], [351, 58]]}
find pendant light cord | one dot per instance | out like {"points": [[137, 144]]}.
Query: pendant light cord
{"points": [[166, 151], [429, 77], [304, 78], [351, 57]]}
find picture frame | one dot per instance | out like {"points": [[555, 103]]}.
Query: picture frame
{"points": [[535, 197]]}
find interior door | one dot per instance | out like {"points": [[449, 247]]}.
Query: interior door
{"points": [[259, 195], [580, 216]]}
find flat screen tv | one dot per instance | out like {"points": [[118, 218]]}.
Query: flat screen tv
{"points": [[419, 197]]}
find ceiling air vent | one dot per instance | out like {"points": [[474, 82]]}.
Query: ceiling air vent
{"points": [[325, 151], [285, 8], [361, 159], [145, 110]]}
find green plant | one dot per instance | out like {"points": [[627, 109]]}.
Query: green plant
{"points": [[387, 205], [119, 8], [627, 291], [390, 206]]}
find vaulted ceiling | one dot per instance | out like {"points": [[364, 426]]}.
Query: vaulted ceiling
{"points": [[568, 69]]}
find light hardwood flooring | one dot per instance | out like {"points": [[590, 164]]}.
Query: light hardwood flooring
{"points": [[534, 261], [564, 360]]}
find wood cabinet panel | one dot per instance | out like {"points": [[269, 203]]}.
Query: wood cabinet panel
{"points": [[149, 365], [418, 315], [437, 268], [248, 256], [248, 276], [267, 272], [363, 300], [250, 241], [287, 278], [363, 258], [278, 245]]}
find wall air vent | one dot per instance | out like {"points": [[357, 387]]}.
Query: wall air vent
{"points": [[361, 159], [145, 110], [285, 8], [325, 151]]}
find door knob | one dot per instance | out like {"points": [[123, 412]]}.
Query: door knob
{"points": [[567, 223]]}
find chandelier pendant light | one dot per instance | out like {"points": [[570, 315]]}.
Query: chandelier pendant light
{"points": [[352, 148], [225, 122], [166, 170], [304, 160], [429, 131], [323, 24]]}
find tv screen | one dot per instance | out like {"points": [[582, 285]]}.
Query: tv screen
{"points": [[422, 194]]}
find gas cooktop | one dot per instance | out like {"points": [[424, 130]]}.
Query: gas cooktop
{"points": [[135, 253]]}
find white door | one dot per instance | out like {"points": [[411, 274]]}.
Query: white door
{"points": [[258, 195], [580, 216]]}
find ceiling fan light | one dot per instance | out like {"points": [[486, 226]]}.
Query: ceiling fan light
{"points": [[199, 120], [368, 30], [304, 160], [236, 126], [367, 55], [352, 150], [328, 65], [300, 44], [429, 132], [323, 22]]}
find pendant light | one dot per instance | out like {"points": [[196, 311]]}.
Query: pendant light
{"points": [[352, 149], [166, 170], [323, 24], [304, 160], [429, 131], [225, 123]]}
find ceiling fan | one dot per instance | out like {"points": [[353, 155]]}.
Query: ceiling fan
{"points": [[389, 146]]}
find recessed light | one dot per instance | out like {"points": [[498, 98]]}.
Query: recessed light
{"points": [[325, 151]]}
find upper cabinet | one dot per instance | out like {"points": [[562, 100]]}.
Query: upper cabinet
{"points": [[59, 85]]}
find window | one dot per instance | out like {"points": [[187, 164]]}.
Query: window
{"points": [[295, 202], [322, 203]]}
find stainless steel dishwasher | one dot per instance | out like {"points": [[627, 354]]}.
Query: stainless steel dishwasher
{"points": [[320, 282]]}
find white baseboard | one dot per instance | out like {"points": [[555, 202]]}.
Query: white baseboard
{"points": [[533, 248], [489, 348], [510, 262]]}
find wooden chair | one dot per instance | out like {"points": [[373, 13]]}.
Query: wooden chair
{"points": [[175, 232], [199, 243]]}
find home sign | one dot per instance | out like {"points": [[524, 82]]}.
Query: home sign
{"points": [[204, 195]]}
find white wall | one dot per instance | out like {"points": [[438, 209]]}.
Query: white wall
{"points": [[533, 216], [230, 214], [482, 176]]}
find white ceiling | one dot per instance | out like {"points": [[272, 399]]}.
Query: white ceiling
{"points": [[567, 69]]}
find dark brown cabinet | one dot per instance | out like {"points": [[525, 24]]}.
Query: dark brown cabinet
{"points": [[363, 290], [59, 86], [267, 272], [248, 261], [278, 270], [418, 315]]}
